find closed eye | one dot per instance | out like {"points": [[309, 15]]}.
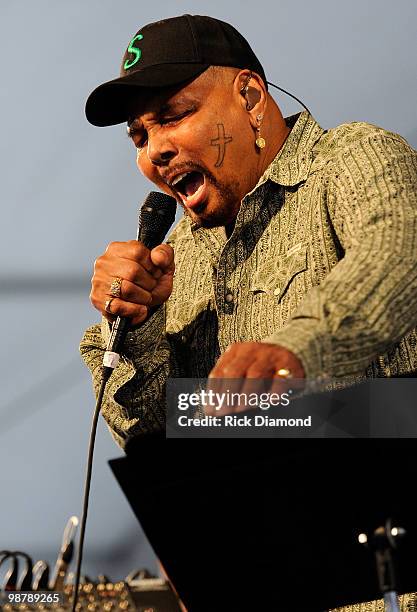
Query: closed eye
{"points": [[139, 136], [175, 118], [143, 141]]}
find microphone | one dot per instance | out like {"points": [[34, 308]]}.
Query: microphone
{"points": [[156, 216]]}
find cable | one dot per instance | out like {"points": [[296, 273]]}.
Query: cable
{"points": [[11, 577], [27, 576], [106, 376], [156, 216], [290, 94]]}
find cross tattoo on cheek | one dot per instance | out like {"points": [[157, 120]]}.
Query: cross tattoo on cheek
{"points": [[220, 142]]}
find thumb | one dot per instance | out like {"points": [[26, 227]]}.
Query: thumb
{"points": [[163, 257]]}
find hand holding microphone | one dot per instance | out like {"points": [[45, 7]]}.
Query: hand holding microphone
{"points": [[144, 277], [132, 277]]}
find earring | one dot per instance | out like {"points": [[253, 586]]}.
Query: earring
{"points": [[260, 142]]}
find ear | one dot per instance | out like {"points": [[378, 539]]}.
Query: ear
{"points": [[252, 94]]}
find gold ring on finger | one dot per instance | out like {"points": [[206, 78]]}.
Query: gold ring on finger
{"points": [[116, 287], [283, 373]]}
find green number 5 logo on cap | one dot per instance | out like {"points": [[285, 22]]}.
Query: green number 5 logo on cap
{"points": [[136, 52]]}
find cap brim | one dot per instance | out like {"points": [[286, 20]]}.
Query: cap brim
{"points": [[110, 102]]}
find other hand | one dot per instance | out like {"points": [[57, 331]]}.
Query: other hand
{"points": [[245, 363]]}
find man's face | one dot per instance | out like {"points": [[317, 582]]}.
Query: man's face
{"points": [[197, 144]]}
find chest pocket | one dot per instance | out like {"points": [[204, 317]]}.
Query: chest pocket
{"points": [[276, 276]]}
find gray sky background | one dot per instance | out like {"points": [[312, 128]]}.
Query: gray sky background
{"points": [[67, 189]]}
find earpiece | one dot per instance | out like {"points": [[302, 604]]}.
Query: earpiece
{"points": [[252, 96]]}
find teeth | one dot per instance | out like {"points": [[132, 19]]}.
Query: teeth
{"points": [[179, 178]]}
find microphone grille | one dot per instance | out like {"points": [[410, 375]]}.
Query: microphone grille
{"points": [[156, 216]]}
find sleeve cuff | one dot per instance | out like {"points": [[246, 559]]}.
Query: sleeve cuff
{"points": [[142, 338], [301, 337]]}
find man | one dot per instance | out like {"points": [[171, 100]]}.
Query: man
{"points": [[296, 256]]}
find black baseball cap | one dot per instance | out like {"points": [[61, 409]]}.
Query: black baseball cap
{"points": [[167, 53]]}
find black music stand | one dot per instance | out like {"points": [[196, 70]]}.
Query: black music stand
{"points": [[271, 524]]}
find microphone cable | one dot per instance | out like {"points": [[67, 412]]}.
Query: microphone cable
{"points": [[155, 218], [87, 486]]}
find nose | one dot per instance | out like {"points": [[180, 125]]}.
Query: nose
{"points": [[161, 149]]}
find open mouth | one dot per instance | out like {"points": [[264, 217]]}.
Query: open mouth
{"points": [[188, 183]]}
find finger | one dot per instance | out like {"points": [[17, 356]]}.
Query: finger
{"points": [[131, 298], [222, 360], [227, 377], [247, 365], [261, 368], [247, 391], [254, 392], [215, 382], [280, 385], [115, 307], [232, 366], [132, 250], [162, 256], [130, 292], [226, 396], [105, 271], [162, 290], [136, 273], [286, 360]]}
